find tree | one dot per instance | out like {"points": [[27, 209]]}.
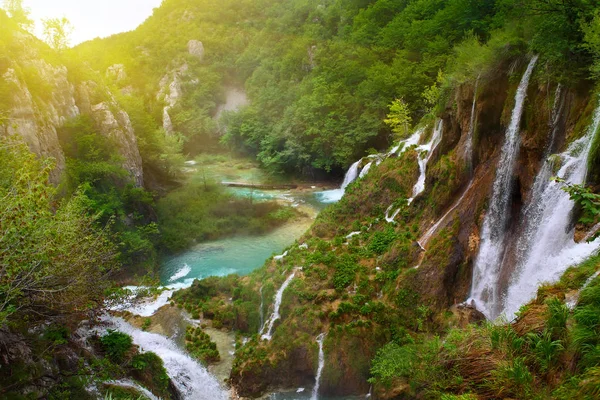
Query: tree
{"points": [[399, 118], [18, 13], [57, 32], [54, 260]]}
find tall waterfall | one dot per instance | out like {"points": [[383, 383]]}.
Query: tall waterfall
{"points": [[315, 392], [191, 379], [469, 141], [551, 248], [425, 152], [484, 290], [277, 303]]}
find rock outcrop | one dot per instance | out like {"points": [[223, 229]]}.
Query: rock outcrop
{"points": [[196, 49], [170, 92], [42, 98]]}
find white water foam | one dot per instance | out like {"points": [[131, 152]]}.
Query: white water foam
{"points": [[424, 155], [191, 379], [277, 303], [182, 273], [486, 271], [315, 392], [550, 233]]}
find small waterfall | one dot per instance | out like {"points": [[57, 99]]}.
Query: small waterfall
{"points": [[191, 379], [469, 141], [415, 138], [365, 170], [129, 384], [425, 152], [351, 175], [572, 303], [261, 311], [315, 392], [275, 315], [335, 195], [390, 218], [551, 246], [486, 271]]}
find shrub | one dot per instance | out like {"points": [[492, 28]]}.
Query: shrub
{"points": [[116, 344]]}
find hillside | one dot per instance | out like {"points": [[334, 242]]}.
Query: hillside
{"points": [[460, 263]]}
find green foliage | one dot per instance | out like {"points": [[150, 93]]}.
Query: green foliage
{"points": [[398, 118], [201, 211], [199, 345], [59, 258], [381, 240], [345, 272], [587, 200], [393, 361], [116, 344]]}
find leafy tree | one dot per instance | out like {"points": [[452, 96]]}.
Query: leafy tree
{"points": [[18, 13], [399, 118], [54, 261], [57, 32]]}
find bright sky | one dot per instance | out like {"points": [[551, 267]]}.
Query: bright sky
{"points": [[93, 18]]}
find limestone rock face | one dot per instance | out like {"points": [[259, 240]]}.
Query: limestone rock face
{"points": [[170, 92], [196, 48], [115, 124], [35, 119], [116, 72]]}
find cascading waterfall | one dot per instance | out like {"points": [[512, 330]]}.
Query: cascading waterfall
{"points": [[335, 195], [365, 170], [551, 246], [486, 271], [573, 302], [315, 392], [277, 303], [425, 152], [261, 311], [191, 379], [128, 384], [471, 132]]}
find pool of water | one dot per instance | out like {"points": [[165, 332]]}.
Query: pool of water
{"points": [[306, 395], [235, 255]]}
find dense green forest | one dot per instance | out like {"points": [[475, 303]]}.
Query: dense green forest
{"points": [[328, 83], [320, 79]]}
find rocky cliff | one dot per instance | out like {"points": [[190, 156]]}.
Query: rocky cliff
{"points": [[42, 95]]}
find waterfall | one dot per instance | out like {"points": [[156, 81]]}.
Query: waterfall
{"points": [[315, 392], [277, 303], [486, 271], [572, 303], [405, 144], [365, 170], [471, 132], [549, 230], [191, 379], [261, 311], [335, 195], [390, 218], [129, 384], [425, 152]]}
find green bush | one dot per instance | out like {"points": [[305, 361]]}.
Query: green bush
{"points": [[116, 344]]}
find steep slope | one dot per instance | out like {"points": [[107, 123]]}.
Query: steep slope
{"points": [[40, 94]]}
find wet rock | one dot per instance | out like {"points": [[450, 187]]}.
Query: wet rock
{"points": [[466, 314]]}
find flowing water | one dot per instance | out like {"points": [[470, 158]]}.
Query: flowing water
{"points": [[486, 272], [191, 379], [315, 392], [469, 141], [268, 327], [129, 384], [551, 246], [425, 152], [335, 195]]}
